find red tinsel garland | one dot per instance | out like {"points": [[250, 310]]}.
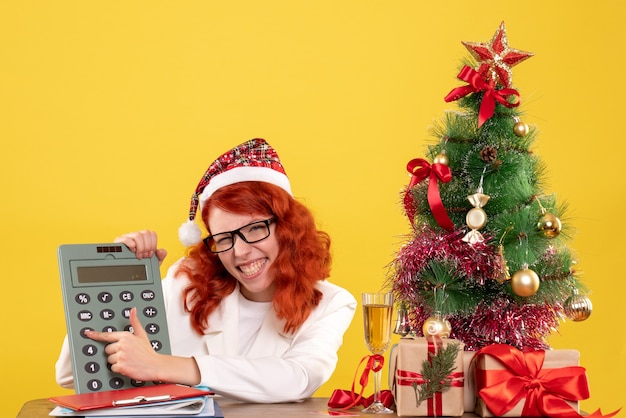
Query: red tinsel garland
{"points": [[499, 320]]}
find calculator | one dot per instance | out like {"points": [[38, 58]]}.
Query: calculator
{"points": [[101, 283]]}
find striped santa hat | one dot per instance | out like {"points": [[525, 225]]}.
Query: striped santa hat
{"points": [[254, 160]]}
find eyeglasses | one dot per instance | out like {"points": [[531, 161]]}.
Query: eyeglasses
{"points": [[251, 233]]}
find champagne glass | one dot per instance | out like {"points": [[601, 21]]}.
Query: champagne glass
{"points": [[377, 308]]}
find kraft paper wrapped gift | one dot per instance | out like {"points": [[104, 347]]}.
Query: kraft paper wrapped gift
{"points": [[512, 383], [469, 393], [406, 375]]}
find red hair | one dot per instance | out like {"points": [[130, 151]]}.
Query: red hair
{"points": [[303, 256]]}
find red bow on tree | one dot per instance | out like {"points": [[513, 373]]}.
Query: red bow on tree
{"points": [[477, 83], [421, 169]]}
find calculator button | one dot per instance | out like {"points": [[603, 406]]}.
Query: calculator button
{"points": [[116, 383], [152, 328], [150, 311], [126, 313], [107, 314], [94, 385], [109, 329], [82, 298], [129, 328], [82, 331], [85, 316], [105, 297], [156, 345], [90, 350], [92, 367], [126, 296], [147, 295], [137, 383]]}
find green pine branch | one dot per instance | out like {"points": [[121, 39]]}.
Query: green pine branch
{"points": [[445, 290], [436, 371]]}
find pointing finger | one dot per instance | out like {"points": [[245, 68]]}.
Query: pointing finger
{"points": [[136, 324], [107, 337]]}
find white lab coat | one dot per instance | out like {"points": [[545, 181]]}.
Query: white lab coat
{"points": [[278, 367]]}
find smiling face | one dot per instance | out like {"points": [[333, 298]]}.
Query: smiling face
{"points": [[249, 264]]}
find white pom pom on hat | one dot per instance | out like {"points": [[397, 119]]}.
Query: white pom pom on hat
{"points": [[254, 160], [189, 233]]}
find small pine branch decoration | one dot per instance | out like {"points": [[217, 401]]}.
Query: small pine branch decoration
{"points": [[436, 371]]}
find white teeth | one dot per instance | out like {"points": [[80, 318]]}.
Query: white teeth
{"points": [[252, 268]]}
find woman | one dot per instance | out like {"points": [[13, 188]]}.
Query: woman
{"points": [[249, 311]]}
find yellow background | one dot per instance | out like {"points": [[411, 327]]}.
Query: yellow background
{"points": [[110, 112]]}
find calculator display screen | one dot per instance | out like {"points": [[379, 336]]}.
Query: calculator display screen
{"points": [[108, 274]]}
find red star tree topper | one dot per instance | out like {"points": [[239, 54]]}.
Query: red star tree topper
{"points": [[496, 57]]}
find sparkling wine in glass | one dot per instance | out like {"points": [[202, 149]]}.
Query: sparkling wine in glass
{"points": [[377, 308]]}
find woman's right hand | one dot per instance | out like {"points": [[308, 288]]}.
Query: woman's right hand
{"points": [[143, 244]]}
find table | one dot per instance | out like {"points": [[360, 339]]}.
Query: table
{"points": [[40, 408]]}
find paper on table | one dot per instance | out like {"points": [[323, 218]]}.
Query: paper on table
{"points": [[200, 407], [125, 397]]}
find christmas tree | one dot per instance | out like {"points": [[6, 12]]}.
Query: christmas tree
{"points": [[487, 260]]}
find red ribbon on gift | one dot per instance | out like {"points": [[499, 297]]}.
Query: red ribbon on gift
{"points": [[435, 404], [546, 390], [421, 169], [476, 84], [407, 378], [346, 399]]}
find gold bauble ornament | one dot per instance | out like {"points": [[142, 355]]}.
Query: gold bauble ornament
{"points": [[436, 326], [549, 224], [525, 282], [441, 158], [520, 129], [578, 307]]}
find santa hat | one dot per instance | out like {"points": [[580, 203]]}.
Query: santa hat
{"points": [[254, 160]]}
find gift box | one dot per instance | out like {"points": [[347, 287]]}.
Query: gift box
{"points": [[514, 383], [411, 382], [469, 392]]}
